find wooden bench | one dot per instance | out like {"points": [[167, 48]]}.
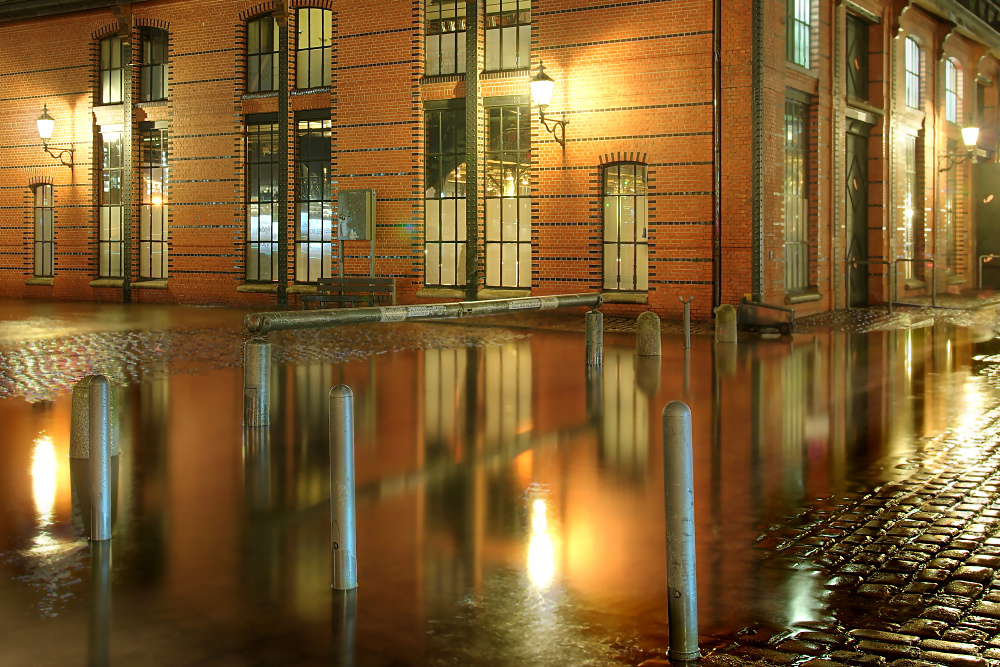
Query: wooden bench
{"points": [[352, 292]]}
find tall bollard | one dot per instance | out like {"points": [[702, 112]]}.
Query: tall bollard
{"points": [[647, 335], [100, 458], [687, 320], [99, 630], [725, 324], [595, 338], [342, 501], [678, 485], [256, 382]]}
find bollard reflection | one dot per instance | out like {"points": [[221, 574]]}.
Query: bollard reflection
{"points": [[99, 631], [344, 617]]}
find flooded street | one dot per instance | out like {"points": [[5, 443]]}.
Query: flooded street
{"points": [[510, 502]]}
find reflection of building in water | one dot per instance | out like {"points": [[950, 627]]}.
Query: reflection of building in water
{"points": [[445, 400], [507, 395], [624, 430]]}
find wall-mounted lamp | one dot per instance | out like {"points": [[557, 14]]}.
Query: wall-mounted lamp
{"points": [[541, 93], [970, 137], [46, 124]]}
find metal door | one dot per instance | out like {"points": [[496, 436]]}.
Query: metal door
{"points": [[986, 182], [856, 207]]}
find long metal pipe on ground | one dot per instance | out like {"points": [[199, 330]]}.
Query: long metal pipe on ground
{"points": [[263, 323]]}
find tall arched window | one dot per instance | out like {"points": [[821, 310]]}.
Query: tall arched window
{"points": [[626, 237], [111, 61], [43, 232], [952, 91], [912, 81], [314, 47]]}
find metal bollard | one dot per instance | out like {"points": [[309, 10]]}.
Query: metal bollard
{"points": [[678, 485], [100, 458], [595, 338], [342, 500], [647, 335], [344, 617], [256, 382], [687, 320]]}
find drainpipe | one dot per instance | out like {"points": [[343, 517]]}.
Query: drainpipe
{"points": [[757, 102], [472, 97], [716, 155], [281, 16]]}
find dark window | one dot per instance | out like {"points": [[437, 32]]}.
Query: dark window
{"points": [[112, 59], [857, 57], [153, 66], [626, 242], [508, 197], [262, 55], [799, 27], [444, 197], [109, 237], [263, 171], [508, 34], [314, 50], [444, 41], [314, 205], [44, 231], [153, 204], [796, 197]]}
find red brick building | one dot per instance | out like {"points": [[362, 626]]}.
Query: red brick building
{"points": [[234, 152]]}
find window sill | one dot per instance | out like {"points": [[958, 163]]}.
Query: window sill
{"points": [[150, 284], [259, 288], [624, 297], [506, 73], [302, 288], [107, 282], [309, 91], [441, 293], [913, 283], [502, 293], [802, 297], [45, 282], [956, 280], [262, 95], [443, 78]]}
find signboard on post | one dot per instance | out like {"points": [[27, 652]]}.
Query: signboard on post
{"points": [[355, 215]]}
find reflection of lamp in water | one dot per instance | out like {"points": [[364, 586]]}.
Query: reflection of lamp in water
{"points": [[541, 553], [43, 478]]}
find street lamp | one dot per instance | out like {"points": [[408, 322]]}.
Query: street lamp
{"points": [[541, 93], [46, 125], [970, 137]]}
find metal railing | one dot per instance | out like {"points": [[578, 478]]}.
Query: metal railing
{"points": [[982, 260], [851, 263], [263, 323]]}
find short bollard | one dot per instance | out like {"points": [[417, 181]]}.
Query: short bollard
{"points": [[687, 320], [342, 501], [647, 335], [725, 324], [100, 458], [678, 485], [595, 338], [256, 382]]}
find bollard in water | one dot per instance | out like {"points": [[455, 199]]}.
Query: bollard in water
{"points": [[687, 372], [342, 500], [256, 382], [344, 617], [100, 458], [647, 374], [647, 335], [678, 486], [725, 324], [99, 631], [595, 338], [687, 320]]}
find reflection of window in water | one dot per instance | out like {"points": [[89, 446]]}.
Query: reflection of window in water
{"points": [[624, 444], [507, 393], [444, 398], [310, 462], [795, 392]]}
